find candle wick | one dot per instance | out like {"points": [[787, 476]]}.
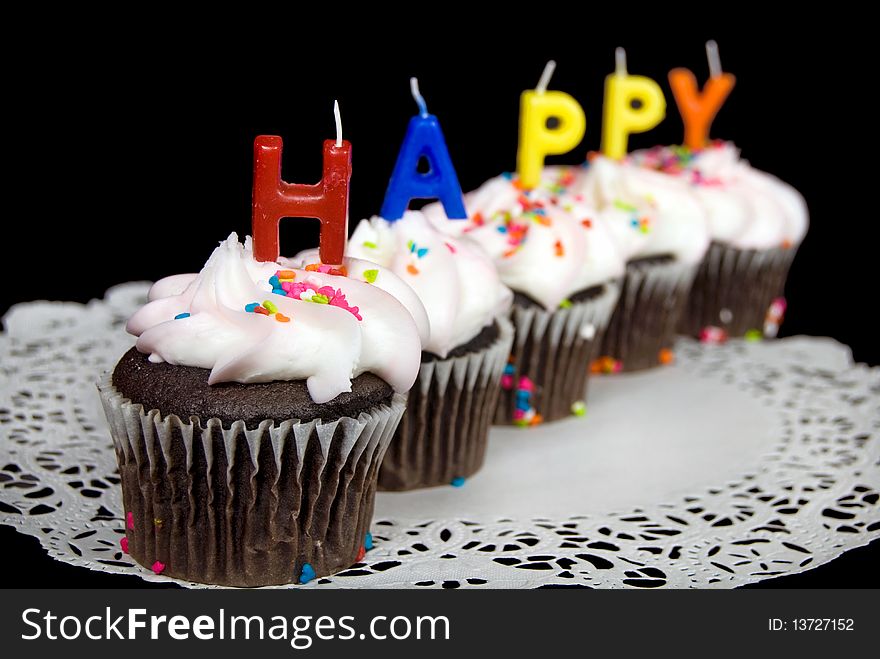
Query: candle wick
{"points": [[714, 58], [417, 95], [620, 61], [549, 68], [338, 123]]}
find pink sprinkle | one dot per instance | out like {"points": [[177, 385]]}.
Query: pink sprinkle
{"points": [[526, 384], [507, 381], [158, 567], [518, 414], [123, 542], [618, 366], [129, 520], [451, 248]]}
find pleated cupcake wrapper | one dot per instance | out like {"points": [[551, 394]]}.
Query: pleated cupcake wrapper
{"points": [[734, 288], [550, 360], [444, 431], [243, 507], [645, 320]]}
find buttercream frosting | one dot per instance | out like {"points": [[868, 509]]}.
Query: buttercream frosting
{"points": [[317, 325]]}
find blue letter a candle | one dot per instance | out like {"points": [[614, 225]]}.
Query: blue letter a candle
{"points": [[423, 139]]}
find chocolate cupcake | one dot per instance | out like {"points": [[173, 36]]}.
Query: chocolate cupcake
{"points": [[251, 417], [662, 231], [443, 434], [756, 223], [557, 255]]}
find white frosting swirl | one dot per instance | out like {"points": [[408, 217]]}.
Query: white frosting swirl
{"points": [[455, 281], [324, 343], [746, 208], [651, 214], [544, 243]]}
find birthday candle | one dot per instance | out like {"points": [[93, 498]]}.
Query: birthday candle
{"points": [[698, 110], [633, 104], [327, 200], [423, 139], [536, 139]]}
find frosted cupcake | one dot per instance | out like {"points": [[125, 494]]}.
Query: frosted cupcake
{"points": [[756, 223], [252, 415], [442, 437], [661, 229], [559, 258]]}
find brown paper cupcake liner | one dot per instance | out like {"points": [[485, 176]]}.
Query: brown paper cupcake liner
{"points": [[643, 326], [734, 289], [546, 378], [238, 507], [443, 434]]}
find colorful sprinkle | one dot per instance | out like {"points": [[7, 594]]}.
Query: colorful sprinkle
{"points": [[286, 275], [411, 269], [558, 248], [261, 310], [252, 307], [269, 306], [665, 356], [129, 520], [368, 541], [451, 247], [587, 224], [370, 276], [274, 282], [318, 298], [753, 335], [606, 365], [369, 244], [458, 481], [180, 316], [361, 553], [565, 304], [713, 335], [629, 208], [158, 567], [307, 573], [123, 544], [281, 318], [341, 271], [579, 408]]}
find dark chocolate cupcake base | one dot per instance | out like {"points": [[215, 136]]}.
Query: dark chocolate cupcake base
{"points": [[236, 506], [643, 327], [734, 289], [444, 431], [546, 377]]}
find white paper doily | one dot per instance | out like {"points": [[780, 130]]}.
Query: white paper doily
{"points": [[738, 463]]}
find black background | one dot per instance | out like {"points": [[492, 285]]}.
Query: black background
{"points": [[131, 157]]}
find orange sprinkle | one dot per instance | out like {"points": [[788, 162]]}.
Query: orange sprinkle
{"points": [[341, 271], [281, 318], [536, 419], [560, 250], [666, 356], [587, 223], [262, 310], [786, 244], [312, 267], [509, 253], [592, 155], [411, 269], [286, 274], [478, 218]]}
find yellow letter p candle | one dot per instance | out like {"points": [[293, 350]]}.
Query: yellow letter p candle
{"points": [[536, 139], [633, 104]]}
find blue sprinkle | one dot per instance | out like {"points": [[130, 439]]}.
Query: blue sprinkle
{"points": [[307, 573], [368, 541], [523, 405], [522, 393], [412, 246], [250, 307], [634, 222], [181, 315], [458, 481], [508, 370], [507, 175], [422, 251], [279, 291], [502, 228], [540, 211], [274, 282]]}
